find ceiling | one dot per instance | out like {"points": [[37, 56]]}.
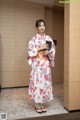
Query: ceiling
{"points": [[47, 2]]}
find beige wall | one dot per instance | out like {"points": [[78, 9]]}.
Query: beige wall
{"points": [[49, 21], [66, 56], [72, 57], [55, 28], [17, 18]]}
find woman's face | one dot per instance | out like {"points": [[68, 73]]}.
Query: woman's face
{"points": [[41, 28]]}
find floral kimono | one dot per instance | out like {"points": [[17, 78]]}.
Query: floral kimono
{"points": [[40, 84]]}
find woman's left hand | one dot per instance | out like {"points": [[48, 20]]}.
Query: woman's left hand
{"points": [[46, 52]]}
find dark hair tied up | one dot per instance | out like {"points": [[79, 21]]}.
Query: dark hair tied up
{"points": [[38, 22]]}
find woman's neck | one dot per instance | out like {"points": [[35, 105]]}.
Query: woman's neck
{"points": [[41, 34]]}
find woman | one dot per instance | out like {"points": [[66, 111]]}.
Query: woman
{"points": [[41, 58]]}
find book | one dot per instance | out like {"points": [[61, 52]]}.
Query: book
{"points": [[49, 43]]}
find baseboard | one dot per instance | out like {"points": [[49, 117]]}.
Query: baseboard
{"points": [[0, 88], [14, 87], [71, 111]]}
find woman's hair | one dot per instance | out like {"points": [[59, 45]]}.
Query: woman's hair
{"points": [[38, 22]]}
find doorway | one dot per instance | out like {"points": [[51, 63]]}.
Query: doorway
{"points": [[54, 18]]}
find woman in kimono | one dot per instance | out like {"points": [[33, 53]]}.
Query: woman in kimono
{"points": [[41, 58]]}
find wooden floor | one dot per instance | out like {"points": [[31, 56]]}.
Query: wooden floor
{"points": [[66, 116]]}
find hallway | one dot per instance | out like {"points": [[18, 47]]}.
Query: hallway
{"points": [[16, 104]]}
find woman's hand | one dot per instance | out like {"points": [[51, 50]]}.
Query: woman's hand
{"points": [[46, 52]]}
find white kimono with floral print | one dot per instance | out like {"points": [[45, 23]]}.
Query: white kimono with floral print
{"points": [[40, 85]]}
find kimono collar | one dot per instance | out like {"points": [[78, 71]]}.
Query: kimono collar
{"points": [[38, 35]]}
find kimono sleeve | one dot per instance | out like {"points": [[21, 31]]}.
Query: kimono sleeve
{"points": [[52, 54], [32, 51]]}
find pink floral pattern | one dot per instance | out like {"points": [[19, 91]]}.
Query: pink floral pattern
{"points": [[40, 85]]}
